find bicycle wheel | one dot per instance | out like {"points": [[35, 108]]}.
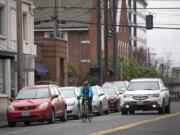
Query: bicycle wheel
{"points": [[85, 111], [90, 117]]}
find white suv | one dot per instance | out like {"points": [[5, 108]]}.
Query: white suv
{"points": [[146, 94]]}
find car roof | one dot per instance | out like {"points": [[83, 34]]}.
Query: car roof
{"points": [[145, 79], [36, 86], [68, 87]]}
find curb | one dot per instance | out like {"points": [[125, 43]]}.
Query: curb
{"points": [[3, 124]]}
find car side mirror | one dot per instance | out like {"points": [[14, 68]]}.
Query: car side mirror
{"points": [[11, 99], [54, 96], [165, 88], [101, 94]]}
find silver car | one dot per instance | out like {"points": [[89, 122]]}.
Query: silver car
{"points": [[73, 105], [100, 101]]}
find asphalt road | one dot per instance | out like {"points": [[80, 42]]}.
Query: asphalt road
{"points": [[142, 123]]}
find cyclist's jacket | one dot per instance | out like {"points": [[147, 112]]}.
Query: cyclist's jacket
{"points": [[86, 92]]}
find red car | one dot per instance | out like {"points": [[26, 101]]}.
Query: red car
{"points": [[37, 103], [113, 98]]}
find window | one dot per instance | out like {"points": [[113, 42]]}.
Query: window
{"points": [[2, 20], [33, 93], [143, 85], [56, 91], [2, 76], [25, 26]]}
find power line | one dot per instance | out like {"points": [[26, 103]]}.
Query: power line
{"points": [[136, 26], [76, 7]]}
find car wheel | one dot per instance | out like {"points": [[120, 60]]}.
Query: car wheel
{"points": [[108, 110], [168, 108], [131, 111], [64, 117], [124, 112], [118, 108], [100, 110], [162, 109], [11, 124], [52, 119], [27, 123], [78, 114]]}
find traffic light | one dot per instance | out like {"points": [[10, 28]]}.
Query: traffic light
{"points": [[110, 32], [149, 22]]}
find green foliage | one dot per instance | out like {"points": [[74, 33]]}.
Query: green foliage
{"points": [[92, 79], [127, 70], [72, 71], [134, 70]]}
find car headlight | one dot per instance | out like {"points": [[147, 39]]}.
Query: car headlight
{"points": [[11, 108], [44, 105], [155, 95], [128, 96]]}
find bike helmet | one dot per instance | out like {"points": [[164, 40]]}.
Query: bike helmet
{"points": [[85, 83]]}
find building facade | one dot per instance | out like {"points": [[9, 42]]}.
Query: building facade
{"points": [[8, 45], [137, 17], [74, 30]]}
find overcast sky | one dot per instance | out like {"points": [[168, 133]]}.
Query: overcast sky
{"points": [[165, 43]]}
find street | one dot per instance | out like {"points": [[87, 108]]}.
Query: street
{"points": [[142, 123]]}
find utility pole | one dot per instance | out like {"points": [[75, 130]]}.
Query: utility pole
{"points": [[20, 61], [105, 39], [55, 17], [98, 43], [114, 41], [135, 28]]}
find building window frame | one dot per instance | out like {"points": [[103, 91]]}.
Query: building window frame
{"points": [[25, 26], [2, 77], [2, 20]]}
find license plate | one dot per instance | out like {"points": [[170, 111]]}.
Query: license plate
{"points": [[139, 102], [25, 114]]}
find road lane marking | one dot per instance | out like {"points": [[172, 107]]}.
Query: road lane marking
{"points": [[130, 125]]}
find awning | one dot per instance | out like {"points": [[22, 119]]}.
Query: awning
{"points": [[41, 69], [6, 55]]}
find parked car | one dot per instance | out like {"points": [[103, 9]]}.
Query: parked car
{"points": [[146, 94], [113, 98], [37, 103], [100, 101], [73, 105], [120, 85]]}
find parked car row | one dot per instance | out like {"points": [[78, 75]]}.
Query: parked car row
{"points": [[49, 102]]}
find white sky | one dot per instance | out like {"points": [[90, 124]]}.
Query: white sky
{"points": [[165, 43]]}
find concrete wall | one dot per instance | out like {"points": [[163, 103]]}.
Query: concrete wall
{"points": [[4, 99]]}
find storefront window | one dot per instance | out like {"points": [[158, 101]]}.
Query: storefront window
{"points": [[2, 76]]}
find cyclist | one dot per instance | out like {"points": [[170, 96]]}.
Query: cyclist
{"points": [[86, 92]]}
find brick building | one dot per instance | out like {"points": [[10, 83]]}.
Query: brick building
{"points": [[52, 54], [79, 29]]}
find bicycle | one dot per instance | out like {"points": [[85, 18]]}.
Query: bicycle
{"points": [[86, 115]]}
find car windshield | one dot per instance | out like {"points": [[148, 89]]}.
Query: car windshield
{"points": [[34, 93], [110, 91], [94, 90], [68, 92], [119, 85], [143, 85]]}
